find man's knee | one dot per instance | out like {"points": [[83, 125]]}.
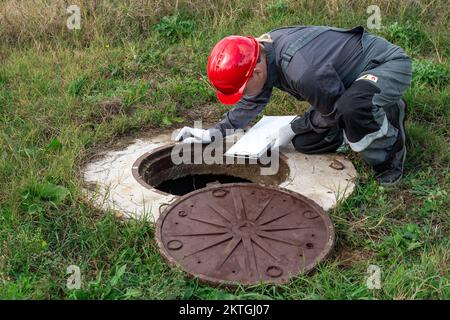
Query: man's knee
{"points": [[314, 143], [300, 144], [356, 113], [358, 99]]}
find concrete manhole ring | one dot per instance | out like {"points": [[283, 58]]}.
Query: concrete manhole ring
{"points": [[134, 180], [244, 233], [155, 170]]}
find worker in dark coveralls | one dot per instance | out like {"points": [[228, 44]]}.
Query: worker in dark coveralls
{"points": [[354, 82]]}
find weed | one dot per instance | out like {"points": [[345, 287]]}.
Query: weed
{"points": [[427, 72], [277, 9], [76, 86], [408, 36], [173, 28], [404, 239], [36, 195]]}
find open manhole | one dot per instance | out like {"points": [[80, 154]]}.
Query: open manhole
{"points": [[244, 233], [157, 170]]}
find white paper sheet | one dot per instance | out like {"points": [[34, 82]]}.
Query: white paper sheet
{"points": [[259, 138]]}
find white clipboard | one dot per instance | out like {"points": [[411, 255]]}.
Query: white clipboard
{"points": [[259, 138]]}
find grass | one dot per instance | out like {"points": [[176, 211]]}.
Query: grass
{"points": [[140, 65]]}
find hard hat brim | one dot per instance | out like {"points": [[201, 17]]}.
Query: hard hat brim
{"points": [[230, 99]]}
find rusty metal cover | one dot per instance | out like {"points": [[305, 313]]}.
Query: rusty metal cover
{"points": [[243, 233]]}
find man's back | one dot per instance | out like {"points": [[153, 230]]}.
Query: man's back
{"points": [[342, 50]]}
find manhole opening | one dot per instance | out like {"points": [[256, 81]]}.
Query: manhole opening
{"points": [[156, 170], [186, 184]]}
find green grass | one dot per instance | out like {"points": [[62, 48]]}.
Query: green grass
{"points": [[64, 94]]}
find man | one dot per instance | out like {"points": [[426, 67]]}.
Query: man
{"points": [[353, 80]]}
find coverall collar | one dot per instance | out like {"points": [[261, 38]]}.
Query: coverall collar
{"points": [[272, 72]]}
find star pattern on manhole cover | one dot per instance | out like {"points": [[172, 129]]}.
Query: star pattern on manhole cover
{"points": [[244, 234]]}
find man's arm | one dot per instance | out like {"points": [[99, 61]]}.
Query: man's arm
{"points": [[243, 113]]}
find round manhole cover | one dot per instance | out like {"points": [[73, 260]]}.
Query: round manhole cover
{"points": [[244, 234]]}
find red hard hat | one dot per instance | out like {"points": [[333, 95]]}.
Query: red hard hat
{"points": [[230, 66]]}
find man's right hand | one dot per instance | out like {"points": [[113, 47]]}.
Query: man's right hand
{"points": [[193, 135]]}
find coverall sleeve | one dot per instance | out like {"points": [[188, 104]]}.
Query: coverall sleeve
{"points": [[244, 112]]}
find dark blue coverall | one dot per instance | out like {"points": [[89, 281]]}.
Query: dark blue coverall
{"points": [[352, 79]]}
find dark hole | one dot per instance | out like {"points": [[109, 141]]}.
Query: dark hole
{"points": [[184, 185], [157, 170]]}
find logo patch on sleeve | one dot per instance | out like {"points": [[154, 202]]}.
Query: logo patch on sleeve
{"points": [[370, 77]]}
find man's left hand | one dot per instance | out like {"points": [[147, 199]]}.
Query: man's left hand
{"points": [[193, 135]]}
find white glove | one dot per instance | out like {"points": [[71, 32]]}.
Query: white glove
{"points": [[284, 137], [190, 135]]}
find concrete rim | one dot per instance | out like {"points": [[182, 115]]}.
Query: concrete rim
{"points": [[113, 183]]}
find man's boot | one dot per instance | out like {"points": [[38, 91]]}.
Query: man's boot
{"points": [[390, 172]]}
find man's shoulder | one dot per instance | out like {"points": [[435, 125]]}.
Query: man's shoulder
{"points": [[287, 29], [298, 28]]}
